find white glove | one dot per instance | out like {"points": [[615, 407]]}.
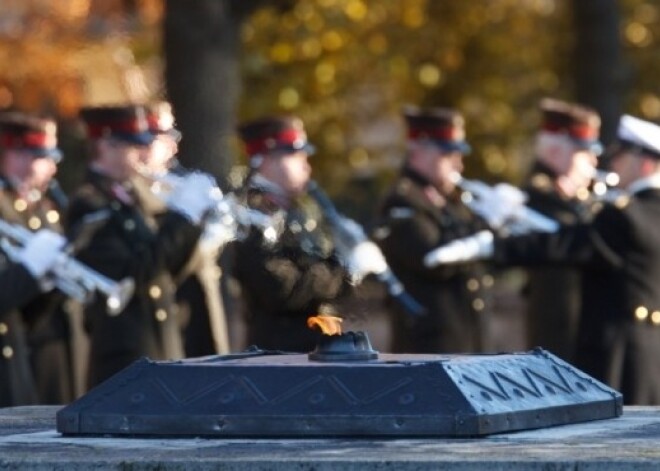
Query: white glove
{"points": [[217, 234], [41, 252], [502, 204], [365, 258], [476, 247], [194, 197]]}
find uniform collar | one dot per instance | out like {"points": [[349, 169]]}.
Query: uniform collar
{"points": [[122, 191], [418, 187], [415, 176], [275, 192]]}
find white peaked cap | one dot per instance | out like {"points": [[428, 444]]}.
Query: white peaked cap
{"points": [[639, 133]]}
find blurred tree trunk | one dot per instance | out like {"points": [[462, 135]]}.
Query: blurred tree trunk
{"points": [[598, 65], [201, 48]]}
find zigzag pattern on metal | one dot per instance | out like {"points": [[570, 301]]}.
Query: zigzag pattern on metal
{"points": [[244, 383], [288, 395]]}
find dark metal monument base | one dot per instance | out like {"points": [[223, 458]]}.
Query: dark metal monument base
{"points": [[265, 394]]}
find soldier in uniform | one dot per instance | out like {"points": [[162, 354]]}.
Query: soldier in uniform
{"points": [[619, 255], [21, 280], [298, 275], [422, 210], [198, 293], [131, 244], [566, 148], [27, 169]]}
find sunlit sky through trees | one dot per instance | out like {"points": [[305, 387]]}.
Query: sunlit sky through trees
{"points": [[345, 66]]}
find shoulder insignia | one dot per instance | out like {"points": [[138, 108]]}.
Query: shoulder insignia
{"points": [[401, 213]]}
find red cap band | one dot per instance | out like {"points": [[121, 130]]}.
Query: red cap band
{"points": [[153, 123], [578, 131], [285, 138], [31, 140], [132, 126]]}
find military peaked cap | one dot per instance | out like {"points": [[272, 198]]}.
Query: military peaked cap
{"points": [[443, 127], [579, 123], [275, 133], [127, 123], [635, 133], [24, 132]]}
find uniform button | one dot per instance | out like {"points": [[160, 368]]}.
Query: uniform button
{"points": [[3, 328], [129, 225], [583, 194], [155, 291], [310, 225], [487, 281], [641, 313], [295, 227], [472, 284], [20, 205], [655, 317], [7, 352], [478, 304], [52, 216], [34, 223], [161, 315]]}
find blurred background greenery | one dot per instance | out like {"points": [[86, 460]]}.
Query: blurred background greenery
{"points": [[345, 66]]}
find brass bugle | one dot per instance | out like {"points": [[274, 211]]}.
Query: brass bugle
{"points": [[70, 276], [228, 211], [526, 218], [117, 293]]}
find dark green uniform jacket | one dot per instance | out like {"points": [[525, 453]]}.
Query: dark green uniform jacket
{"points": [[286, 282], [553, 293], [130, 245], [455, 297], [41, 319]]}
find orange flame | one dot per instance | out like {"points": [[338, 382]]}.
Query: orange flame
{"points": [[329, 325]]}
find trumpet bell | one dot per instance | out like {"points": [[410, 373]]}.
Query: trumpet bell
{"points": [[119, 297]]}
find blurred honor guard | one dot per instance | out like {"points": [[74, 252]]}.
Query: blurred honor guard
{"points": [[130, 243], [21, 284], [198, 294], [284, 279], [619, 255], [566, 148], [28, 163], [423, 210]]}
